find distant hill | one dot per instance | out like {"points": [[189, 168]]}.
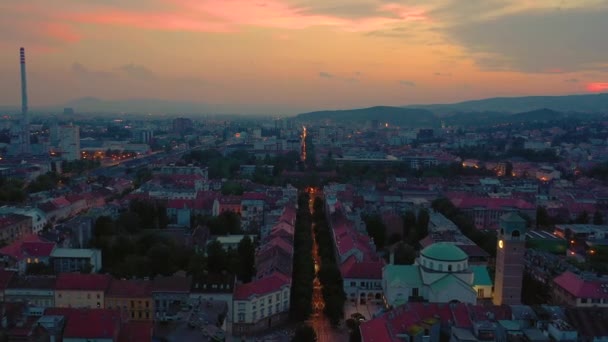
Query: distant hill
{"points": [[392, 115], [592, 103]]}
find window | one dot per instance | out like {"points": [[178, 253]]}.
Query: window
{"points": [[241, 306], [362, 284], [270, 300], [480, 293], [241, 317], [277, 307], [285, 304], [255, 315], [584, 300], [278, 297], [353, 283], [88, 296], [441, 267], [596, 301], [449, 268], [262, 313]]}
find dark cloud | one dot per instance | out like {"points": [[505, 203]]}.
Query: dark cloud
{"points": [[407, 83], [81, 70], [355, 77], [324, 74], [397, 32], [137, 71], [552, 40]]}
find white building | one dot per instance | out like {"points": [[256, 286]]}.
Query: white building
{"points": [[69, 142], [442, 274], [261, 304], [38, 216], [65, 260]]}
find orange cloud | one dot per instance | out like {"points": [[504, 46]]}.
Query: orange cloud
{"points": [[278, 14], [597, 87], [151, 21]]}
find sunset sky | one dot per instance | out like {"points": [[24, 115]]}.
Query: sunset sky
{"points": [[293, 55]]}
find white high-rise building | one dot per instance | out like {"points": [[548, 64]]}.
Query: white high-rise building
{"points": [[69, 142]]}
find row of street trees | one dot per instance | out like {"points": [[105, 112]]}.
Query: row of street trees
{"points": [[303, 266], [329, 273]]}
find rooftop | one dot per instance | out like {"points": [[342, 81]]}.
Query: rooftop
{"points": [[78, 326], [83, 282], [444, 251], [72, 253], [129, 288], [273, 283]]}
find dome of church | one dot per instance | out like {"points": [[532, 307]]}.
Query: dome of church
{"points": [[444, 251]]}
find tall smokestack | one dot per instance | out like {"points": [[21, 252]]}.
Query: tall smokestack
{"points": [[23, 84]]}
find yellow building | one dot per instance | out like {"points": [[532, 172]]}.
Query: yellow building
{"points": [[132, 297], [76, 290]]}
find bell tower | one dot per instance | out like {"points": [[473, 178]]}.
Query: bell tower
{"points": [[510, 260]]}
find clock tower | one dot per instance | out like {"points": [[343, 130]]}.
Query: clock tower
{"points": [[510, 260]]}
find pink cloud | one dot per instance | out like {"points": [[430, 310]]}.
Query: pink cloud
{"points": [[150, 21], [597, 87], [278, 14], [61, 32]]}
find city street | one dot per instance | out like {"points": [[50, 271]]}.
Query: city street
{"points": [[325, 332]]}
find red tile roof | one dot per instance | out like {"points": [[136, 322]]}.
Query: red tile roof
{"points": [[352, 269], [129, 289], [136, 331], [375, 331], [89, 323], [37, 249], [581, 288], [83, 282], [254, 196], [260, 287], [28, 246]]}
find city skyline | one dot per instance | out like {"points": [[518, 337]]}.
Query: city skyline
{"points": [[291, 56]]}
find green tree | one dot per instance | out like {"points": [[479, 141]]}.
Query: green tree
{"points": [[232, 188], [304, 333], [422, 224], [376, 229], [542, 217], [598, 218], [582, 218], [404, 254], [216, 257], [39, 268], [246, 253], [104, 226], [409, 226]]}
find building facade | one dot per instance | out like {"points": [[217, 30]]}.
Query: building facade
{"points": [[261, 304], [65, 260], [75, 290], [13, 227], [510, 260], [132, 297]]}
